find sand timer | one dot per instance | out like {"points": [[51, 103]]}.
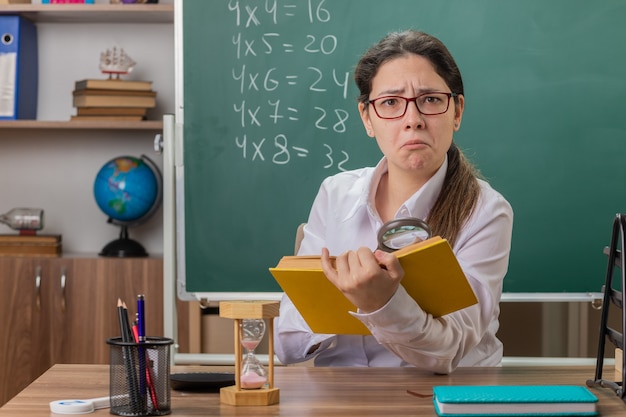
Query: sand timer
{"points": [[254, 385], [253, 375]]}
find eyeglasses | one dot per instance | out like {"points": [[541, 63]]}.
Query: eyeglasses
{"points": [[428, 104]]}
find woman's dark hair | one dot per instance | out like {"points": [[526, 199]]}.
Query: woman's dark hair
{"points": [[398, 44], [460, 190]]}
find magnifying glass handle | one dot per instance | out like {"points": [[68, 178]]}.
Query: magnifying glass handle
{"points": [[102, 402]]}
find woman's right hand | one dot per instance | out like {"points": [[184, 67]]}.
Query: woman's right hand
{"points": [[368, 279]]}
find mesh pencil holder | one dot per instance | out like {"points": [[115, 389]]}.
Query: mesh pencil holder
{"points": [[139, 377]]}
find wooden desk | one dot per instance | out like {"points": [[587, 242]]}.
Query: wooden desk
{"points": [[309, 391]]}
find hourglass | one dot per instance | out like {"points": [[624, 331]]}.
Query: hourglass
{"points": [[254, 385], [253, 375]]}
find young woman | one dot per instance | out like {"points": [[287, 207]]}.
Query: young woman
{"points": [[411, 101]]}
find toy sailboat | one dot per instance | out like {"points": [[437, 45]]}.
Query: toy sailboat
{"points": [[116, 62]]}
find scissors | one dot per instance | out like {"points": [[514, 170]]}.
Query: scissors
{"points": [[398, 233]]}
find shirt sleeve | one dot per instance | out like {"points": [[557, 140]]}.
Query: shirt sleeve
{"points": [[294, 339]]}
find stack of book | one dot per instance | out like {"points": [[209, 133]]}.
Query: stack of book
{"points": [[112, 99], [30, 245]]}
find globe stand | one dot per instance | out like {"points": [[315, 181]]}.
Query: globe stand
{"points": [[124, 247]]}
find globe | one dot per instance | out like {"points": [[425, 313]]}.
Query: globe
{"points": [[128, 191]]}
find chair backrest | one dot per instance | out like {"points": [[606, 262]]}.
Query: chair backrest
{"points": [[299, 236]]}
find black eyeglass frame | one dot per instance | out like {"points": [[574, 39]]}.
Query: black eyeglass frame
{"points": [[411, 100]]}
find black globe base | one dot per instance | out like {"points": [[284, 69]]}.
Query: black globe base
{"points": [[124, 247]]}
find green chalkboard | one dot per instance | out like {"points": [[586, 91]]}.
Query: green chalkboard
{"points": [[270, 110]]}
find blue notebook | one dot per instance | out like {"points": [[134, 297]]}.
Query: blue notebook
{"points": [[514, 400]]}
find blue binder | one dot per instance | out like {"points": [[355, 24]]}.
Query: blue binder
{"points": [[18, 68]]}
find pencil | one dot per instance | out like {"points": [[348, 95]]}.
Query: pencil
{"points": [[127, 335], [129, 359], [120, 314]]}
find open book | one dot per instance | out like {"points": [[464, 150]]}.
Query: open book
{"points": [[433, 277]]}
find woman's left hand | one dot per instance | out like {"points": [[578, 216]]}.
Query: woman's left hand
{"points": [[368, 279]]}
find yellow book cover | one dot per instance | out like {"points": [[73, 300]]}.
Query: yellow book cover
{"points": [[433, 277]]}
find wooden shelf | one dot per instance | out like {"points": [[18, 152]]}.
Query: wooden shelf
{"points": [[86, 125], [93, 13]]}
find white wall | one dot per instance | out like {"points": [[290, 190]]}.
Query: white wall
{"points": [[55, 169]]}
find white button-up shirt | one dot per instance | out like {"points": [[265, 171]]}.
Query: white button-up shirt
{"points": [[343, 217]]}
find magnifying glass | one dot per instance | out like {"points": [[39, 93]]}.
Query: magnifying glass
{"points": [[398, 233], [79, 406]]}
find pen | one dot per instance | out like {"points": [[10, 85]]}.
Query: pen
{"points": [[141, 323], [149, 377], [141, 338]]}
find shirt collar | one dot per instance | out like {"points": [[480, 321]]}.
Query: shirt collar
{"points": [[419, 204]]}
